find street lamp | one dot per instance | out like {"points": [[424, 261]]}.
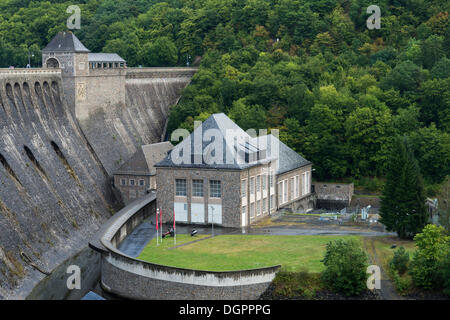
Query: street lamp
{"points": [[30, 55], [188, 57]]}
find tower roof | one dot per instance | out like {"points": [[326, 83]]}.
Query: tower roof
{"points": [[65, 42]]}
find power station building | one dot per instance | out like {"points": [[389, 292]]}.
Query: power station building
{"points": [[220, 174]]}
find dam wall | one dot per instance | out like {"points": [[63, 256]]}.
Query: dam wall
{"points": [[122, 109], [54, 191]]}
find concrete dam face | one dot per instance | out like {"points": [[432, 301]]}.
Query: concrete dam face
{"points": [[56, 160], [137, 115]]}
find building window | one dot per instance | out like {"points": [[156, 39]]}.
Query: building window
{"points": [[252, 185], [123, 182], [244, 188], [258, 183], [252, 209], [280, 192], [131, 182], [264, 182], [180, 187], [244, 210], [285, 191], [306, 183], [215, 190], [272, 202], [197, 188], [271, 178], [291, 189], [264, 205], [258, 208], [142, 182]]}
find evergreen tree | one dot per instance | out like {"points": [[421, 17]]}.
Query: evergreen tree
{"points": [[403, 200]]}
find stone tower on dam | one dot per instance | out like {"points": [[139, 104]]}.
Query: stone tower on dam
{"points": [[65, 128]]}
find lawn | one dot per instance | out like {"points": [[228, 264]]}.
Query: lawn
{"points": [[234, 252]]}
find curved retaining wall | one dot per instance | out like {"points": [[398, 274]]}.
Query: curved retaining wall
{"points": [[136, 279]]}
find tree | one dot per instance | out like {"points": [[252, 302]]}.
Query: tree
{"points": [[433, 246], [432, 150], [444, 204], [160, 53], [345, 267], [406, 76], [403, 199]]}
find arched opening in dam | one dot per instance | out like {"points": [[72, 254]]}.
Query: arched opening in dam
{"points": [[34, 161], [8, 169]]}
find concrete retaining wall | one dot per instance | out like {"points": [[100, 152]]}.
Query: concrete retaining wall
{"points": [[132, 278], [333, 195]]}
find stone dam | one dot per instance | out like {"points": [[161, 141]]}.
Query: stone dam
{"points": [[57, 158]]}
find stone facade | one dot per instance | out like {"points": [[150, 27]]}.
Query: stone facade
{"points": [[239, 208], [132, 187], [299, 196], [333, 195], [229, 201]]}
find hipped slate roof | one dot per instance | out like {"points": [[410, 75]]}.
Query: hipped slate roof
{"points": [[145, 158], [105, 57], [65, 42], [219, 123], [288, 159], [251, 146]]}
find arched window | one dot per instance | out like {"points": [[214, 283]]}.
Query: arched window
{"points": [[52, 63]]}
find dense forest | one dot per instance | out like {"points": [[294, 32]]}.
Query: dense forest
{"points": [[339, 92]]}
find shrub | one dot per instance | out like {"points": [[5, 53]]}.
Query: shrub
{"points": [[346, 266], [400, 260], [443, 274], [296, 284], [402, 284], [430, 257]]}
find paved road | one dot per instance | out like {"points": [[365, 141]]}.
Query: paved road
{"points": [[135, 242]]}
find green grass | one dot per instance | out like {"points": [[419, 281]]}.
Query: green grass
{"points": [[235, 252]]}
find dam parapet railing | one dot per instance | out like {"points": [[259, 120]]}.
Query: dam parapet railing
{"points": [[138, 73], [6, 72], [131, 278]]}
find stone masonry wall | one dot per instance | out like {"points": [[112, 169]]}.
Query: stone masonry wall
{"points": [[165, 180], [54, 192]]}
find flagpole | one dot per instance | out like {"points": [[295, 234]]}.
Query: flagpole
{"points": [[174, 228], [157, 233], [160, 224]]}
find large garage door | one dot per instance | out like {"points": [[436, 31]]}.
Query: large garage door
{"points": [[198, 213], [215, 213], [181, 213]]}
